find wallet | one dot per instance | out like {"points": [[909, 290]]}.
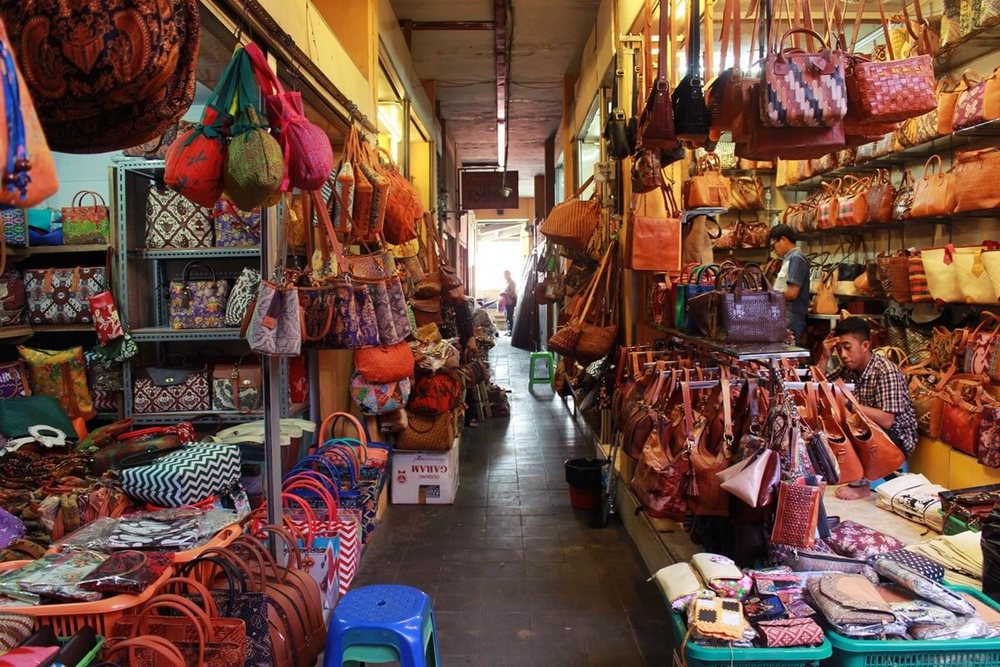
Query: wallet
{"points": [[763, 608], [718, 618], [788, 632], [714, 566], [850, 599], [677, 581]]}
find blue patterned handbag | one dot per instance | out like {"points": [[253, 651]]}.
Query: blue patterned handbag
{"points": [[15, 226]]}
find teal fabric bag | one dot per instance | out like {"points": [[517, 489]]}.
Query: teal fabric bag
{"points": [[17, 415]]}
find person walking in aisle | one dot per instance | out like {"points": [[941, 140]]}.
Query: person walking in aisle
{"points": [[509, 295], [793, 278], [879, 386]]}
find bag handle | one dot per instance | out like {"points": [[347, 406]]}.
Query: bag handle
{"points": [[163, 648], [207, 601], [95, 197], [191, 265], [332, 418], [199, 619], [927, 166]]}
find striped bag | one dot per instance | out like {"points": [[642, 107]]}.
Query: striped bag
{"points": [[919, 292]]}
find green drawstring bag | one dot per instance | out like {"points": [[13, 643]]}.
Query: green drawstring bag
{"points": [[255, 163]]}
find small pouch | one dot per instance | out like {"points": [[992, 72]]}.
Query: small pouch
{"points": [[850, 599], [853, 540], [763, 608], [713, 566], [917, 562], [127, 572], [718, 618], [930, 590], [678, 581], [732, 588], [797, 515], [788, 632]]}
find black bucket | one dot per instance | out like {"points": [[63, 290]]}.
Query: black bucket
{"points": [[585, 478]]}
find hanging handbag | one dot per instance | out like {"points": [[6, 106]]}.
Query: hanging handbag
{"points": [[276, 325], [978, 102], [172, 221], [878, 454], [790, 76], [852, 202], [710, 499], [171, 390], [385, 363], [902, 206], [24, 140], [234, 228], [656, 122], [573, 222], [85, 223], [881, 195], [124, 80], [580, 339], [654, 243], [308, 155], [403, 205], [62, 296], [660, 481], [198, 304], [797, 514], [237, 387], [436, 394], [752, 234], [825, 301], [709, 188], [934, 194], [62, 375], [619, 130], [981, 346], [691, 119], [974, 283], [374, 398], [242, 296], [747, 194], [974, 172], [107, 321]]}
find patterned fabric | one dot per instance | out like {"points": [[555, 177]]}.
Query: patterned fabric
{"points": [[354, 321], [61, 374], [970, 109], [785, 633], [340, 213], [184, 476], [62, 296], [387, 333], [379, 399], [86, 224], [156, 390], [803, 89], [15, 226], [235, 228], [198, 304], [276, 325], [916, 562], [173, 221], [856, 541], [242, 295], [881, 385], [989, 438], [13, 380]]}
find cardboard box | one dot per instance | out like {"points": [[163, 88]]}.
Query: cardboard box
{"points": [[425, 478]]}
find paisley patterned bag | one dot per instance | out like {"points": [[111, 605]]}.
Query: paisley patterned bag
{"points": [[173, 221], [15, 226], [171, 390], [383, 311], [354, 323], [62, 296], [989, 437], [379, 399], [62, 375], [198, 304], [235, 228], [276, 326]]}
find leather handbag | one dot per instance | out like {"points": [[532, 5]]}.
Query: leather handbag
{"points": [[974, 283], [198, 304], [710, 451], [753, 234], [656, 122], [746, 194], [897, 277], [237, 386], [791, 76], [878, 454], [24, 139], [426, 311], [581, 339], [881, 195], [752, 479], [62, 375], [934, 194], [172, 221], [62, 296], [661, 475], [902, 206], [974, 172], [130, 443], [428, 433], [691, 118], [620, 129], [647, 171], [826, 416], [308, 155], [385, 363], [727, 94], [825, 301], [852, 202], [86, 221], [171, 390], [404, 207], [709, 188], [755, 315], [233, 228], [797, 514], [573, 222], [128, 76], [654, 243], [827, 208], [961, 419]]}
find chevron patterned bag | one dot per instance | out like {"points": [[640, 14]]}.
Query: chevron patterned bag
{"points": [[802, 89], [184, 476]]}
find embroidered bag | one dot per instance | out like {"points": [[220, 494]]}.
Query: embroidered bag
{"points": [[62, 296], [198, 304], [86, 223], [171, 390], [15, 226], [235, 228], [60, 374], [378, 399], [173, 221], [242, 296]]}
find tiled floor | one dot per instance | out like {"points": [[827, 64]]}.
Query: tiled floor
{"points": [[517, 577]]}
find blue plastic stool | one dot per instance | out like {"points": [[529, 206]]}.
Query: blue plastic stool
{"points": [[377, 624], [550, 364]]}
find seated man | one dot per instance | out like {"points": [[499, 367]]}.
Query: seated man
{"points": [[879, 386]]}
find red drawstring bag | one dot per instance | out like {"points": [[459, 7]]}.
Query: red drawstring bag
{"points": [[435, 394], [307, 149], [386, 363]]}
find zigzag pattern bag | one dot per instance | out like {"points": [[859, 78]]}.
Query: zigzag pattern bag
{"points": [[184, 476]]}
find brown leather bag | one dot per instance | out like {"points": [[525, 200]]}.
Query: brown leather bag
{"points": [[975, 179], [746, 194], [573, 222], [881, 195], [106, 76], [712, 452], [934, 194], [878, 454], [654, 242], [709, 188]]}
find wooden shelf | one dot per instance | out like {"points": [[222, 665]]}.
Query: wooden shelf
{"points": [[22, 331], [24, 253], [61, 328]]}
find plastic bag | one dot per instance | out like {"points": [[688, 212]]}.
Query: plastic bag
{"points": [[127, 572], [52, 576], [164, 530]]}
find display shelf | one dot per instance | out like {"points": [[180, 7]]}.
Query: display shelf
{"points": [[974, 45], [749, 172], [900, 225], [165, 334], [196, 253], [742, 351], [958, 139], [16, 254], [61, 328], [21, 331], [225, 416], [139, 164]]}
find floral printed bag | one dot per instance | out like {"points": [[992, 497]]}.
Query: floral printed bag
{"points": [[86, 220], [989, 437], [379, 399], [61, 374], [198, 304], [235, 228]]}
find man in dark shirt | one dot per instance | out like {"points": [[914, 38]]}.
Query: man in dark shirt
{"points": [[793, 279], [879, 386]]}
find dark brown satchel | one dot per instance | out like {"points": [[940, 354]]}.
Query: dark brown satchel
{"points": [[106, 75], [656, 124]]}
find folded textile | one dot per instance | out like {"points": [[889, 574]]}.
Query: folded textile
{"points": [[961, 553], [913, 497], [789, 632]]}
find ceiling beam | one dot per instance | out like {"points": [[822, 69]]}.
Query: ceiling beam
{"points": [[410, 24], [503, 74]]}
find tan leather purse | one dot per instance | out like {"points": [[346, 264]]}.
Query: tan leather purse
{"points": [[934, 194], [709, 189], [825, 302], [976, 179], [746, 194]]}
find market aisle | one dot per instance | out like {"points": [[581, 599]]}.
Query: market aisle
{"points": [[517, 577]]}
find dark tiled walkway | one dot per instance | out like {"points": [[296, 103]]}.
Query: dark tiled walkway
{"points": [[517, 577]]}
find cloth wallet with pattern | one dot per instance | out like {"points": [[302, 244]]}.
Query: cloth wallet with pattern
{"points": [[784, 633]]}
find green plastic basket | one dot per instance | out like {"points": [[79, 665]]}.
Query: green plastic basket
{"points": [[916, 653], [709, 656], [953, 526]]}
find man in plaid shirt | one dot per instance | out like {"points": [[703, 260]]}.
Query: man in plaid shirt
{"points": [[879, 386]]}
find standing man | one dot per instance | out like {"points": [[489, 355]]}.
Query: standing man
{"points": [[509, 295], [793, 278], [879, 386]]}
